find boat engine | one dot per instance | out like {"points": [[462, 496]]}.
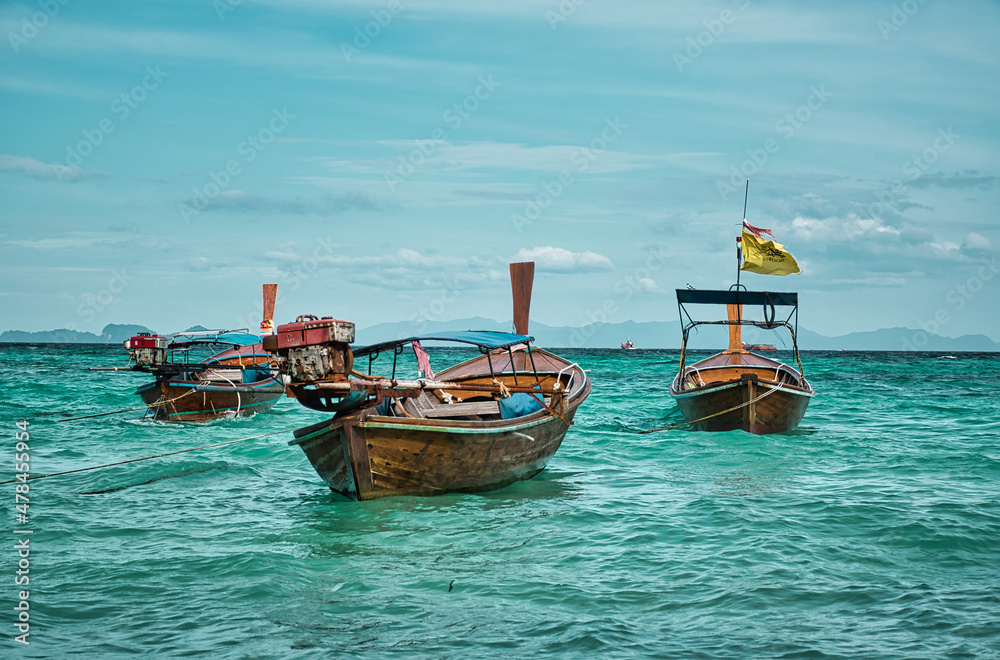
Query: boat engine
{"points": [[313, 349], [148, 350]]}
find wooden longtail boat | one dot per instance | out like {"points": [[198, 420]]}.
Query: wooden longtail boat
{"points": [[235, 382], [239, 380], [479, 425], [737, 388]]}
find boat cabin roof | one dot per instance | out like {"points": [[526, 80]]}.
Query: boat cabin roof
{"points": [[239, 352], [484, 339], [236, 338], [712, 297]]}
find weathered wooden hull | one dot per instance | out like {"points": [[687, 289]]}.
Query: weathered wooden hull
{"points": [[363, 455], [746, 405], [366, 457], [192, 401]]}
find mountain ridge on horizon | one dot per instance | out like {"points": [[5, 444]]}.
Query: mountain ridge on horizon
{"points": [[645, 334], [667, 335]]}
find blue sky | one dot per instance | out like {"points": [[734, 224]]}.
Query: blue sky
{"points": [[384, 161]]}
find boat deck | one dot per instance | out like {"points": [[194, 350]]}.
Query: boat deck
{"points": [[728, 367], [440, 404]]}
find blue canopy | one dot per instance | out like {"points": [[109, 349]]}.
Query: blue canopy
{"points": [[485, 339], [235, 338]]}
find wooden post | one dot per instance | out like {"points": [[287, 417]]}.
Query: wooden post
{"points": [[735, 313], [521, 276], [270, 296]]}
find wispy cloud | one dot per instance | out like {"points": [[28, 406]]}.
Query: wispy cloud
{"points": [[404, 269], [76, 242], [455, 158], [47, 172], [561, 260], [959, 180], [331, 204], [51, 87], [294, 52], [975, 242]]}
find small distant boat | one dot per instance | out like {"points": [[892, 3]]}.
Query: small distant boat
{"points": [[738, 389], [758, 347], [628, 345], [477, 426], [201, 376]]}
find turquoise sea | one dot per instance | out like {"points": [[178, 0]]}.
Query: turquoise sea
{"points": [[872, 531]]}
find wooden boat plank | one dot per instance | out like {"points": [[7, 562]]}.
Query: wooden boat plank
{"points": [[780, 410], [461, 409], [196, 402], [456, 472], [357, 451], [404, 461], [447, 451]]}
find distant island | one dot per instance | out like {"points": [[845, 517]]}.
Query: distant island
{"points": [[650, 334], [112, 333]]}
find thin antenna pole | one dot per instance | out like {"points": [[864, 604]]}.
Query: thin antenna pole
{"points": [[746, 194], [739, 256]]}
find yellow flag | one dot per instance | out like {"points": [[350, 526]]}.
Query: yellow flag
{"points": [[767, 257]]}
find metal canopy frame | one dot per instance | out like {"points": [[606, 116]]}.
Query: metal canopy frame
{"points": [[739, 295], [398, 346], [512, 340]]}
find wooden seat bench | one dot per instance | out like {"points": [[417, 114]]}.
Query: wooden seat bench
{"points": [[462, 409]]}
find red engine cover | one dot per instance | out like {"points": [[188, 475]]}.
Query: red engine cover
{"points": [[147, 341], [309, 331]]}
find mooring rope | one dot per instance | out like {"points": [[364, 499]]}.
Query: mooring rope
{"points": [[551, 410], [116, 412], [146, 458], [702, 419]]}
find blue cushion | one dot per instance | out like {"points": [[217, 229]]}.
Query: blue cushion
{"points": [[519, 405]]}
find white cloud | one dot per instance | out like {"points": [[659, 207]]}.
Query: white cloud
{"points": [[841, 229], [885, 280], [561, 260], [945, 248], [238, 201], [439, 155], [199, 264], [65, 243], [647, 285], [403, 259], [49, 172], [976, 242]]}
